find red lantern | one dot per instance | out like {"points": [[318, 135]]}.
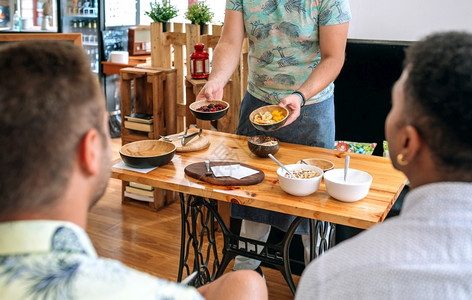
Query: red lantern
{"points": [[199, 62]]}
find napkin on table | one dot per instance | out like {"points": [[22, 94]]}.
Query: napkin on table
{"points": [[236, 171]]}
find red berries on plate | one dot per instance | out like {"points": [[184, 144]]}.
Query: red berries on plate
{"points": [[211, 107]]}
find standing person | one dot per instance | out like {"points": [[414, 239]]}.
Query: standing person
{"points": [[426, 251], [296, 50], [55, 165]]}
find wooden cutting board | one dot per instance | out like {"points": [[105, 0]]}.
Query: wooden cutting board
{"points": [[198, 171], [198, 143]]}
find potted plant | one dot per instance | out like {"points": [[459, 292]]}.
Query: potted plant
{"points": [[199, 13], [162, 13]]}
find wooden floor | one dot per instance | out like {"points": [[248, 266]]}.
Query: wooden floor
{"points": [[150, 241]]}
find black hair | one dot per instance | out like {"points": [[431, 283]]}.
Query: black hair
{"points": [[438, 96]]}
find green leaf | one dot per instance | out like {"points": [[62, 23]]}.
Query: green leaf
{"points": [[199, 13], [162, 12]]}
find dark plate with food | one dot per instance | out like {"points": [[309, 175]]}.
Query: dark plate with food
{"points": [[209, 110]]}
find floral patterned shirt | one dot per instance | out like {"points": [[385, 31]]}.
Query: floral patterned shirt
{"points": [[284, 45], [56, 260]]}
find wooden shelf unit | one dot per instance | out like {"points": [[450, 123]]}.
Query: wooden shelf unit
{"points": [[172, 49], [149, 91], [161, 198], [226, 124], [152, 91]]}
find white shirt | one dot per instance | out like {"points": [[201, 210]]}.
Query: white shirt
{"points": [[56, 260], [424, 253]]}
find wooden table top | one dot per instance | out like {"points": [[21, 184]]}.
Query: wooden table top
{"points": [[386, 185]]}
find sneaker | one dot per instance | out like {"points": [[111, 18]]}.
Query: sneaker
{"points": [[259, 270]]}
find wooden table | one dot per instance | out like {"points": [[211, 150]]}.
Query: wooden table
{"points": [[386, 186]]}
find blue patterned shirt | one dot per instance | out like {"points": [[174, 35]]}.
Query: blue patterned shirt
{"points": [[56, 260], [284, 45]]}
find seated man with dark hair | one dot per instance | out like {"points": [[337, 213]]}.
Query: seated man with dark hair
{"points": [[426, 251], [54, 166]]}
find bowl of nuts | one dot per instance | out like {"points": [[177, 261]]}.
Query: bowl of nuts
{"points": [[306, 181], [269, 117], [209, 110]]}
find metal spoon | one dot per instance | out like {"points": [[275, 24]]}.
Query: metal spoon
{"points": [[172, 137], [187, 138], [280, 164], [346, 166], [208, 171]]}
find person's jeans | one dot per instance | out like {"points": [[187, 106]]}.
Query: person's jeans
{"points": [[314, 127]]}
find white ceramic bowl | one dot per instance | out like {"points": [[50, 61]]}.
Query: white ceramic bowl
{"points": [[355, 188], [299, 186]]}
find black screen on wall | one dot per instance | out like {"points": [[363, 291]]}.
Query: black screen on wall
{"points": [[363, 88]]}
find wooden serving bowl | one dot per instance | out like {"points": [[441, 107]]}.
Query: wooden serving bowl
{"points": [[269, 108], [262, 145], [208, 115], [147, 153], [323, 164]]}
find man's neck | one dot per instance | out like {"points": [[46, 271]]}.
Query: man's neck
{"points": [[74, 217]]}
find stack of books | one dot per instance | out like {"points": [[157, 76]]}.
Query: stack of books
{"points": [[141, 192], [139, 121]]}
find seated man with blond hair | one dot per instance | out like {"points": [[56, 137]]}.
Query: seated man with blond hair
{"points": [[55, 165]]}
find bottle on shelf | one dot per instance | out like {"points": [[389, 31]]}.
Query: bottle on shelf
{"points": [[16, 21]]}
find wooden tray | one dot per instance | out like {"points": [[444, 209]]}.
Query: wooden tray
{"points": [[198, 171], [198, 143]]}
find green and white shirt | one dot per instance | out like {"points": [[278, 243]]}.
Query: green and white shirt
{"points": [[284, 45]]}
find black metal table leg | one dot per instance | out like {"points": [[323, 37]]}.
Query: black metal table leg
{"points": [[198, 232]]}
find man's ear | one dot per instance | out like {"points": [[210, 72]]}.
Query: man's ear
{"points": [[89, 152], [411, 143]]}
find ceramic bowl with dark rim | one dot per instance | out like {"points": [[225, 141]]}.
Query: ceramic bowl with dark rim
{"points": [[268, 126], [147, 153], [262, 145], [209, 110]]}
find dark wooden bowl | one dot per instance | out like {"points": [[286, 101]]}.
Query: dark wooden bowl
{"points": [[208, 115], [262, 145], [147, 153], [269, 108]]}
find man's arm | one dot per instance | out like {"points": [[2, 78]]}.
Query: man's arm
{"points": [[225, 57], [332, 47], [242, 284]]}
